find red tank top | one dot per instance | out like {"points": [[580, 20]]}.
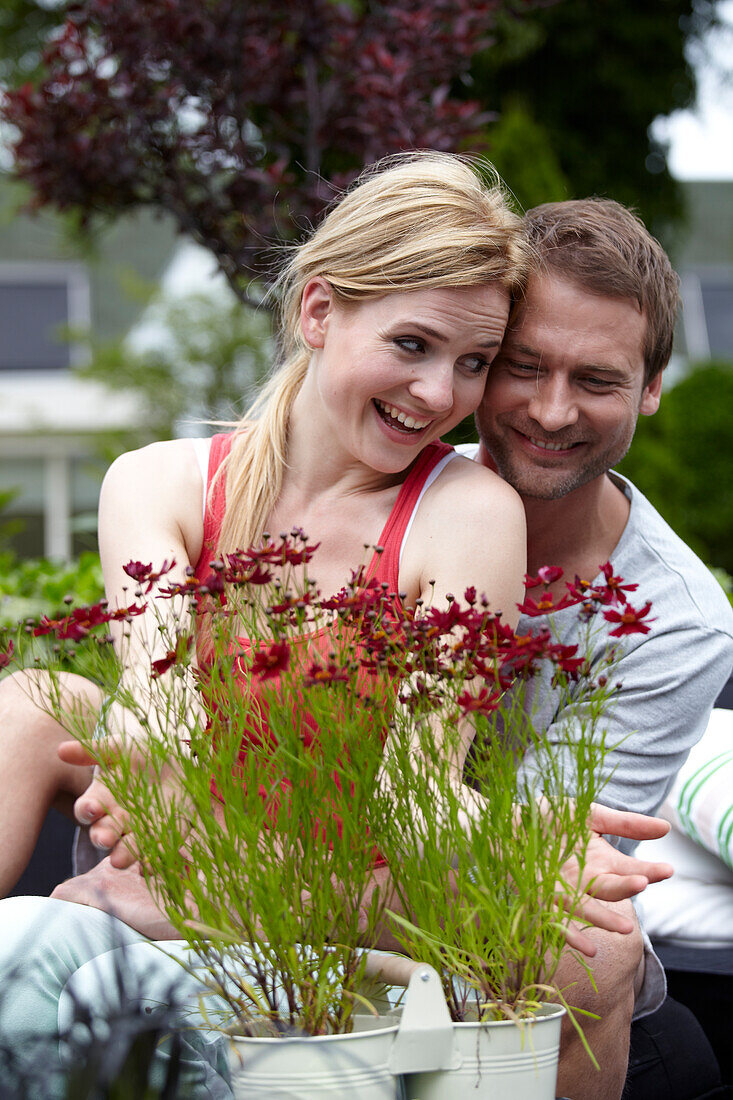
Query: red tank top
{"points": [[383, 567]]}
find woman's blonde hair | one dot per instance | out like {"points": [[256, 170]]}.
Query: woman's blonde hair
{"points": [[413, 221]]}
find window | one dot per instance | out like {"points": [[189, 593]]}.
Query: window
{"points": [[37, 301], [707, 312], [717, 298]]}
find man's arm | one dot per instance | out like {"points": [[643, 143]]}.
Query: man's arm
{"points": [[669, 683]]}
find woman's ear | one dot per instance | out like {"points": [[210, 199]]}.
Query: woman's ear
{"points": [[315, 306]]}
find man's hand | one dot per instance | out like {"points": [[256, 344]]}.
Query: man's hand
{"points": [[608, 874], [124, 894]]}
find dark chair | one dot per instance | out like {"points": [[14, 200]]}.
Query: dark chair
{"points": [[51, 861]]}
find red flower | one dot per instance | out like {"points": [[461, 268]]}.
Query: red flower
{"points": [[522, 654], [356, 597], [81, 620], [173, 656], [292, 549], [614, 587], [483, 703], [123, 614], [546, 575], [496, 638], [629, 620], [445, 620], [189, 587], [144, 574], [579, 589], [564, 657], [326, 674], [545, 605], [292, 555], [270, 661], [419, 692], [213, 585], [290, 603], [241, 570], [7, 656]]}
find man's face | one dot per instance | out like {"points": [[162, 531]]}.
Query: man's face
{"points": [[564, 393]]}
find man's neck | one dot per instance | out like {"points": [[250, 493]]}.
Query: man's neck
{"points": [[578, 532]]}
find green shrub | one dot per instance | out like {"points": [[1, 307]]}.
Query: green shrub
{"points": [[33, 586], [682, 459]]}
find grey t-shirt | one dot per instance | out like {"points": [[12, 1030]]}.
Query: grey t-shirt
{"points": [[670, 677]]}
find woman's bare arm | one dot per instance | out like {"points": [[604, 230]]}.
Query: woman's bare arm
{"points": [[151, 510]]}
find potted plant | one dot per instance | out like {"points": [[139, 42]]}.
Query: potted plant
{"points": [[355, 712], [261, 859], [495, 926]]}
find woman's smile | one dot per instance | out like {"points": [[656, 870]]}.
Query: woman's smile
{"points": [[399, 420]]}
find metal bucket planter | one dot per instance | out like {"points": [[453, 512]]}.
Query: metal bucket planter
{"points": [[365, 1065], [440, 1060], [313, 1067], [497, 1060]]}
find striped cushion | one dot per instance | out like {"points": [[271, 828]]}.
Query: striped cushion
{"points": [[700, 802]]}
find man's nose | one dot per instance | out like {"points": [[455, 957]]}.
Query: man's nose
{"points": [[553, 405]]}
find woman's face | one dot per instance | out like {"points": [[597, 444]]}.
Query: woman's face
{"points": [[396, 372]]}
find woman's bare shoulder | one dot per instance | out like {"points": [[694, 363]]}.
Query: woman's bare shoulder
{"points": [[469, 531], [156, 489], [169, 469], [463, 479]]}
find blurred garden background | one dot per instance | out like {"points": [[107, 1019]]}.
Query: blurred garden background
{"points": [[156, 156]]}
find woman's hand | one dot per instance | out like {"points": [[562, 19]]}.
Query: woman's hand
{"points": [[97, 808], [124, 894]]}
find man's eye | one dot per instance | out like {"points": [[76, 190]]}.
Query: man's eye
{"points": [[410, 343], [522, 368], [596, 383]]}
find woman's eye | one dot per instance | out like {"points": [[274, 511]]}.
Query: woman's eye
{"points": [[410, 343], [475, 364]]}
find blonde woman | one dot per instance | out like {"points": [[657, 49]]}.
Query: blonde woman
{"points": [[391, 314]]}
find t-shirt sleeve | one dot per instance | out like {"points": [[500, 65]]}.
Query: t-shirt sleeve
{"points": [[669, 683]]}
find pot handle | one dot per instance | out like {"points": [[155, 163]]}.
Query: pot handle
{"points": [[424, 1040]]}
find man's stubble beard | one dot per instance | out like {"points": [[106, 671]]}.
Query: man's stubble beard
{"points": [[543, 483]]}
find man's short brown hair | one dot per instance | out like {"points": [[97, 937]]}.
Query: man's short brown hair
{"points": [[607, 250]]}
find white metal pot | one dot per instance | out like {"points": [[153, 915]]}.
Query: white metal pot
{"points": [[314, 1067], [365, 1065], [497, 1060]]}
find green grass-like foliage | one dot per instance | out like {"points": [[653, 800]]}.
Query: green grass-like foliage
{"points": [[304, 785]]}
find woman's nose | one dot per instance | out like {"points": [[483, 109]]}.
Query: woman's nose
{"points": [[433, 387], [552, 405]]}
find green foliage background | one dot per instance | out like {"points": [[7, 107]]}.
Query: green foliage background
{"points": [[36, 586], [682, 459], [577, 85]]}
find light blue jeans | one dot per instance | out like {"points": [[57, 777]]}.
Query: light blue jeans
{"points": [[67, 970]]}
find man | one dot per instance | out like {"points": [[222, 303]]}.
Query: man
{"points": [[581, 361]]}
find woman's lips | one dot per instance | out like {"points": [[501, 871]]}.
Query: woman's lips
{"points": [[398, 420]]}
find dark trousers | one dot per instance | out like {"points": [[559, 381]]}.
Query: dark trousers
{"points": [[671, 1058]]}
